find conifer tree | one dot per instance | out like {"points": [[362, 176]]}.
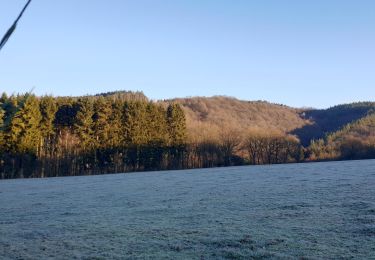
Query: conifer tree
{"points": [[84, 123], [3, 99], [152, 154], [176, 124], [135, 132], [156, 124], [10, 106], [101, 124], [24, 129], [48, 109], [135, 125], [116, 133]]}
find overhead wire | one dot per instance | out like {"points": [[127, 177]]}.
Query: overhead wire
{"points": [[13, 27]]}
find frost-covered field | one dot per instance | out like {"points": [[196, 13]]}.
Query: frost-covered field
{"points": [[316, 210]]}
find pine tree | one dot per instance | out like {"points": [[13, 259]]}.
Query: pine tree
{"points": [[48, 109], [176, 124], [152, 155], [135, 132], [84, 123], [3, 97], [116, 133], [10, 106], [101, 124], [156, 124], [24, 133], [135, 124]]}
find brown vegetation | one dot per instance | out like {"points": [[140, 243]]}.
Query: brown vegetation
{"points": [[124, 131], [216, 113]]}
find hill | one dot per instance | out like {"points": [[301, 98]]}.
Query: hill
{"points": [[209, 115], [356, 140], [125, 131], [325, 121]]}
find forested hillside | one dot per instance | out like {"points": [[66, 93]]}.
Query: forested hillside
{"points": [[210, 115], [355, 140], [324, 121], [125, 131]]}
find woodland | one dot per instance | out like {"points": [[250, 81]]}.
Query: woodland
{"points": [[125, 131]]}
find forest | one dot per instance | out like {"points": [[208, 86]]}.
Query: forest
{"points": [[125, 131]]}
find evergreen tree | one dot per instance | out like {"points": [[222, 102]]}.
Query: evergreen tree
{"points": [[101, 122], [24, 132], [83, 125], [135, 123], [48, 109], [152, 154], [10, 106], [176, 124], [156, 124], [116, 133]]}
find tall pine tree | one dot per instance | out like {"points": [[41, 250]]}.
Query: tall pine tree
{"points": [[176, 124], [101, 123], [48, 109], [177, 134], [83, 125], [24, 133]]}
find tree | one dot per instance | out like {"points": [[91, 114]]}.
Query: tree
{"points": [[229, 142], [24, 133], [84, 123], [176, 124], [134, 125], [135, 131], [153, 152], [48, 109], [255, 145], [116, 133], [101, 122], [352, 148]]}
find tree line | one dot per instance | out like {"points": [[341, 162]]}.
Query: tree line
{"points": [[64, 136], [46, 136], [122, 132]]}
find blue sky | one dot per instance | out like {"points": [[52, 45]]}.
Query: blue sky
{"points": [[300, 53]]}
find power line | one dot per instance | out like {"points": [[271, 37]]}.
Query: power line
{"points": [[13, 27]]}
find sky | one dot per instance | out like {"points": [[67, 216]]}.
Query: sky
{"points": [[300, 53]]}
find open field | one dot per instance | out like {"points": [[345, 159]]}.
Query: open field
{"points": [[314, 210]]}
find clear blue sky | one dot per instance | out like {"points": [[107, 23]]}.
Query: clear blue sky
{"points": [[300, 53]]}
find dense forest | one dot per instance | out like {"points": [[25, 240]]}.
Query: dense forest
{"points": [[356, 140], [125, 131], [46, 136]]}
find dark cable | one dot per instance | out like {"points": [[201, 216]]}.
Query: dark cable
{"points": [[13, 27]]}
